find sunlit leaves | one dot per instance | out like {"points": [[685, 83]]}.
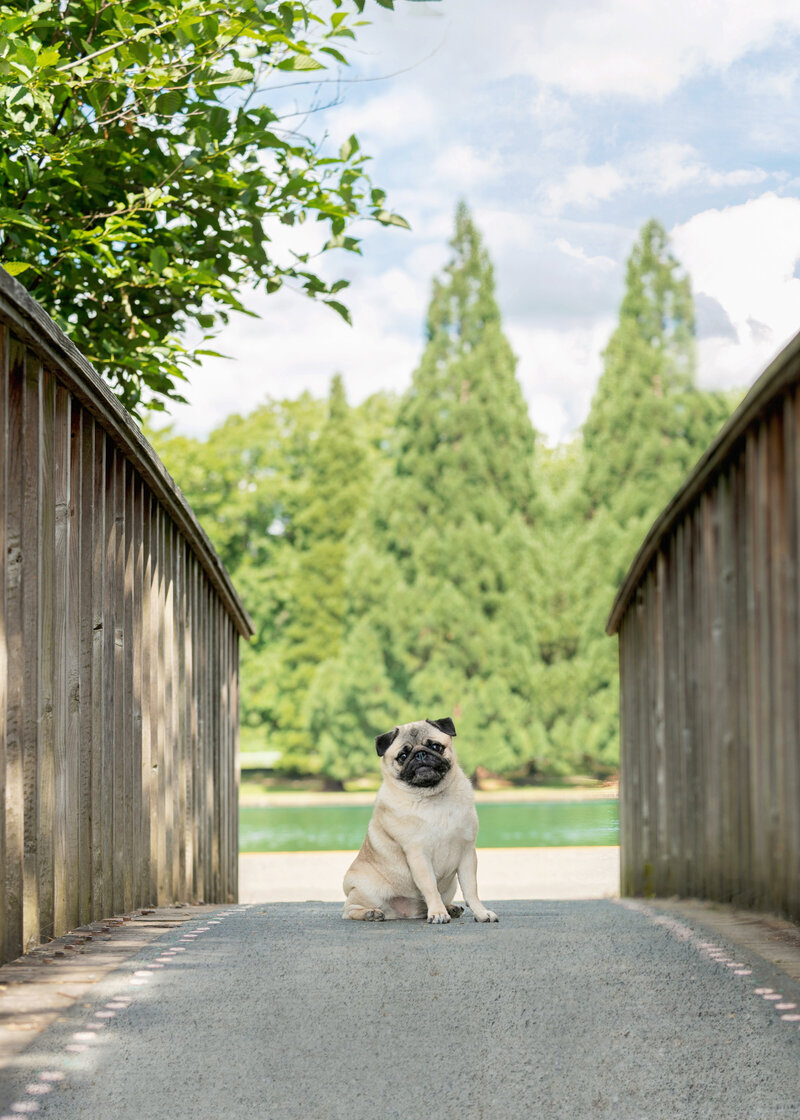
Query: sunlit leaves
{"points": [[142, 171]]}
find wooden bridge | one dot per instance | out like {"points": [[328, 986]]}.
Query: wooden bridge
{"points": [[709, 647], [119, 634], [119, 638]]}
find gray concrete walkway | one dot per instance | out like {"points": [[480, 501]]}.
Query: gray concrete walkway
{"points": [[564, 1010]]}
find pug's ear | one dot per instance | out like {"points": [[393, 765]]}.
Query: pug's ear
{"points": [[445, 725], [383, 742]]}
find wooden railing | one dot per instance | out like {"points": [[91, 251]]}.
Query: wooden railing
{"points": [[709, 645], [118, 657]]}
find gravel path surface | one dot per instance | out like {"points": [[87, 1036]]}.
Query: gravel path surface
{"points": [[564, 1010]]}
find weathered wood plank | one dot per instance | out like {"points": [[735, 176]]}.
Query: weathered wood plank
{"points": [[65, 783], [140, 895], [117, 669], [101, 902], [131, 760], [4, 545], [13, 860], [85, 504], [31, 643], [77, 804], [149, 881]]}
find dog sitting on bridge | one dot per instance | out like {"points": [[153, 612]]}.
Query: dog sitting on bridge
{"points": [[421, 835]]}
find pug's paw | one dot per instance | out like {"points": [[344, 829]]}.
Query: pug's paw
{"points": [[438, 917], [375, 916], [455, 911], [485, 916]]}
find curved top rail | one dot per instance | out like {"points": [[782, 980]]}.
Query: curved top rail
{"points": [[783, 370], [35, 327]]}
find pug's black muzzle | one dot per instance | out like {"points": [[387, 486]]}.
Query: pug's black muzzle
{"points": [[424, 768]]}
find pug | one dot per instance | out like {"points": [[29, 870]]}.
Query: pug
{"points": [[421, 835]]}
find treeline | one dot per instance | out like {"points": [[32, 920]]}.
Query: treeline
{"points": [[429, 555]]}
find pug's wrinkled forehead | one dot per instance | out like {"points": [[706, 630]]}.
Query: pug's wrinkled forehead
{"points": [[415, 734]]}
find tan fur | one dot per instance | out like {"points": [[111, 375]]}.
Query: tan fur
{"points": [[420, 842]]}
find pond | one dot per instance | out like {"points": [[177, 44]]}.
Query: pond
{"points": [[541, 824]]}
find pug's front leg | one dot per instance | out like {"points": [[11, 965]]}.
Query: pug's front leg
{"points": [[422, 871], [468, 878]]}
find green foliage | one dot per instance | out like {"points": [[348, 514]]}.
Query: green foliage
{"points": [[335, 489], [250, 484], [429, 555], [440, 593], [647, 426], [144, 178]]}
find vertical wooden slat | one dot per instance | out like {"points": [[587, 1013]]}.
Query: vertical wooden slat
{"points": [[782, 683], [131, 764], [76, 802], [159, 803], [170, 854], [140, 897], [149, 787], [792, 669], [224, 782], [110, 767], [5, 548], [64, 777], [187, 687], [743, 654], [85, 563], [31, 537], [176, 777], [208, 748], [236, 755], [197, 744], [216, 872], [13, 861]]}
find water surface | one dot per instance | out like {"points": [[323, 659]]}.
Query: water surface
{"points": [[320, 828]]}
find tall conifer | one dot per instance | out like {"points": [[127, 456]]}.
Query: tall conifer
{"points": [[647, 426], [336, 488], [442, 568]]}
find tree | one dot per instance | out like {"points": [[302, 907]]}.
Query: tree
{"points": [[335, 490], [440, 577], [248, 483], [144, 176], [647, 425]]}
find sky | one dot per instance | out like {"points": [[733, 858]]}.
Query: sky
{"points": [[565, 125]]}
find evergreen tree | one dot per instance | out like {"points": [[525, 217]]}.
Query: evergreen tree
{"points": [[440, 575], [335, 490], [647, 426]]}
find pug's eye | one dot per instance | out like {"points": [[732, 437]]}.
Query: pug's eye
{"points": [[434, 746], [403, 755]]}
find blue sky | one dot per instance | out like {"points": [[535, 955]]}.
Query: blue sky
{"points": [[565, 126]]}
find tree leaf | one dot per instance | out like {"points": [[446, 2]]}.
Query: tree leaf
{"points": [[14, 268]]}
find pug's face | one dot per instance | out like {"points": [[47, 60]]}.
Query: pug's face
{"points": [[418, 754]]}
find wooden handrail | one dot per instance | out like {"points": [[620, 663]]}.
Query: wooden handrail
{"points": [[31, 323], [782, 370]]}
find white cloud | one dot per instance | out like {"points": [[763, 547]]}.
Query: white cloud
{"points": [[558, 371], [601, 263], [585, 186], [465, 166], [297, 345], [644, 50], [659, 169], [744, 257], [394, 117]]}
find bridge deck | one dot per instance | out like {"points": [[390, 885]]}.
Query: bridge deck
{"points": [[564, 1009]]}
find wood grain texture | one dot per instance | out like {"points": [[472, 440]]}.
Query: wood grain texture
{"points": [[709, 633], [119, 634]]}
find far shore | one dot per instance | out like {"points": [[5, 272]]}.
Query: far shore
{"points": [[284, 799]]}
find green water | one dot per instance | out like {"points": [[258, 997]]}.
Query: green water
{"points": [[320, 828]]}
